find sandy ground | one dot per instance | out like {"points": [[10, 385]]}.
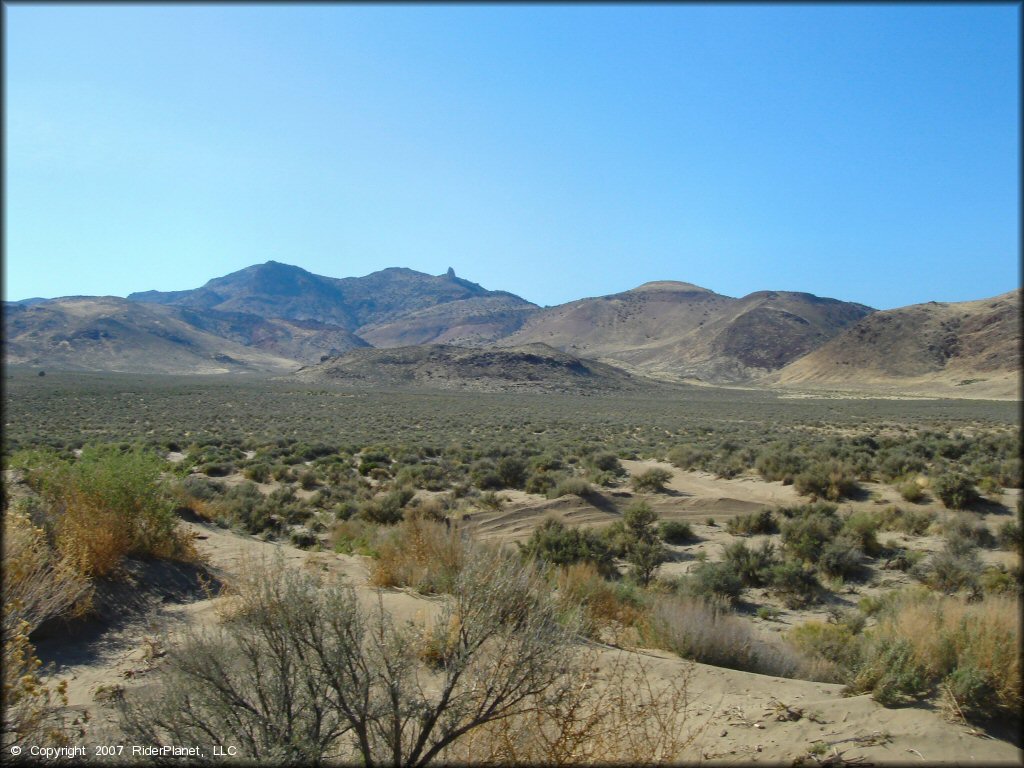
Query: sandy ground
{"points": [[737, 717]]}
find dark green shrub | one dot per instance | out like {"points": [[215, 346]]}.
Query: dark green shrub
{"points": [[308, 480], [644, 551], [676, 532], [823, 508], [202, 488], [217, 469], [606, 461], [1011, 536], [303, 538], [258, 473], [386, 510], [511, 472], [554, 543], [540, 483]]}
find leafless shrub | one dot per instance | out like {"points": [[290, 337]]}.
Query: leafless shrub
{"points": [[301, 674]]}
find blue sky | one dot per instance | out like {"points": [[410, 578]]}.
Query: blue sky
{"points": [[863, 152]]}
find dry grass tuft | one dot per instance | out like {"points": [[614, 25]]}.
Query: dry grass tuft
{"points": [[419, 553], [607, 612], [605, 713], [709, 633]]}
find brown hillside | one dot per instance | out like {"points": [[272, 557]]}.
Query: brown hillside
{"points": [[680, 330], [112, 334], [528, 368], [969, 348]]}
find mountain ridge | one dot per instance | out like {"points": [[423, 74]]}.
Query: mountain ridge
{"points": [[276, 317]]}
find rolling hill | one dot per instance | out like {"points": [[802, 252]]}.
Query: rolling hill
{"points": [[963, 349], [528, 368], [679, 330], [113, 334]]}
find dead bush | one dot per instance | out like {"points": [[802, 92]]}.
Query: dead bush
{"points": [[299, 673]]}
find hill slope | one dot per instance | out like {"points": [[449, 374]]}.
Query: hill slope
{"points": [[113, 334], [967, 349], [680, 330], [529, 368]]}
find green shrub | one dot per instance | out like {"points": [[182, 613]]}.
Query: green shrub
{"points": [[1011, 536], [540, 483], [386, 510], [686, 456], [841, 557], [606, 461], [712, 581], [926, 643], [676, 532], [830, 480], [823, 508], [805, 537], [832, 641], [557, 544], [755, 522], [652, 480], [644, 551], [862, 528], [910, 521], [775, 463], [796, 585], [953, 568], [109, 504], [910, 491], [891, 673], [571, 486], [258, 473], [998, 580], [202, 488], [955, 490], [753, 566]]}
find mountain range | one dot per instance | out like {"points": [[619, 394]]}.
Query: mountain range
{"points": [[279, 318]]}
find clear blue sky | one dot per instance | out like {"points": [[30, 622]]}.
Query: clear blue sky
{"points": [[863, 152]]}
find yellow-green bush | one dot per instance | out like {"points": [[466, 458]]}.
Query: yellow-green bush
{"points": [[108, 504], [926, 643]]}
